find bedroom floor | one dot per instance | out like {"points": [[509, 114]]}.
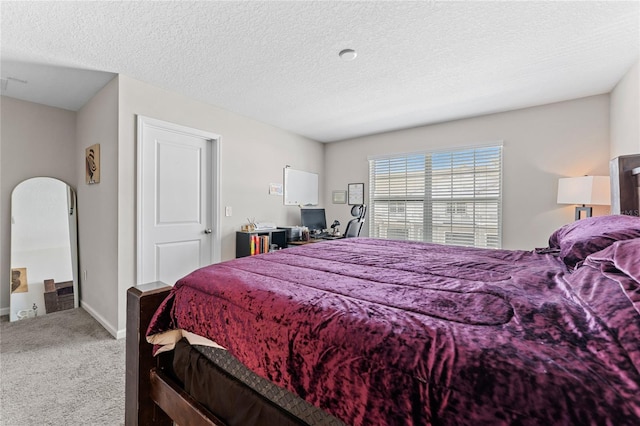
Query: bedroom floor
{"points": [[61, 368]]}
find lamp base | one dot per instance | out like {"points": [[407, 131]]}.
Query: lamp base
{"points": [[588, 212]]}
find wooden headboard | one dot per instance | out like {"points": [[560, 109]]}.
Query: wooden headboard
{"points": [[625, 185]]}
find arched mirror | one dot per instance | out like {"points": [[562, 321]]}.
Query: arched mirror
{"points": [[44, 253]]}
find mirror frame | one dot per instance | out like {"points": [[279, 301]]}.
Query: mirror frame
{"points": [[72, 209]]}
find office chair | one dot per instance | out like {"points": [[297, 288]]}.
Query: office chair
{"points": [[354, 226]]}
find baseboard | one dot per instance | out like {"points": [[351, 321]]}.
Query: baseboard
{"points": [[118, 334], [4, 311]]}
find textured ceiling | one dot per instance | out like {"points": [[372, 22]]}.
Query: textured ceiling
{"points": [[418, 62]]}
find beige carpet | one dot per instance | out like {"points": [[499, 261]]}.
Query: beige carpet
{"points": [[60, 369]]}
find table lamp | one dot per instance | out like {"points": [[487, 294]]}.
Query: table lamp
{"points": [[593, 190]]}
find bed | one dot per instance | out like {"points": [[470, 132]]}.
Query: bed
{"points": [[365, 331]]}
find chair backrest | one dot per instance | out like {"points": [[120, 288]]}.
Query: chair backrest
{"points": [[354, 226]]}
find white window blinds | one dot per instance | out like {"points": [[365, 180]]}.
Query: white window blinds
{"points": [[447, 197]]}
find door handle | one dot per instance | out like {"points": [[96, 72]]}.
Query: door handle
{"points": [[208, 231]]}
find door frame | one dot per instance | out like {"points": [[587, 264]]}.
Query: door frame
{"points": [[216, 241]]}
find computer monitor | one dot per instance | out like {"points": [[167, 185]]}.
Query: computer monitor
{"points": [[314, 219]]}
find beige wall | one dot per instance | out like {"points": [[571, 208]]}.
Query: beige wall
{"points": [[97, 122], [541, 144], [625, 114], [35, 140], [252, 154]]}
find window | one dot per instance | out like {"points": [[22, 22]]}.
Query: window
{"points": [[456, 208], [459, 238], [397, 207], [447, 197], [492, 240]]}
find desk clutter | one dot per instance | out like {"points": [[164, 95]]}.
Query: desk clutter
{"points": [[257, 226], [263, 237], [254, 242], [302, 233], [293, 233]]}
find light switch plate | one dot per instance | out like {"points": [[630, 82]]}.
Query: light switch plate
{"points": [[228, 211]]}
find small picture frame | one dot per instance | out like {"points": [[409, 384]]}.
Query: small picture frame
{"points": [[275, 189], [339, 197], [19, 280], [356, 193], [92, 160]]}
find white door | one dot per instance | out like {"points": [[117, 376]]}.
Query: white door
{"points": [[177, 200]]}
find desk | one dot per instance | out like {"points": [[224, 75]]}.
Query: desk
{"points": [[311, 241], [301, 243]]}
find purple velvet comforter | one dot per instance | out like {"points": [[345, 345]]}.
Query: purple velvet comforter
{"points": [[387, 332]]}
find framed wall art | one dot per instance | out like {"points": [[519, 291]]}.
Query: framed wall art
{"points": [[356, 193], [19, 280], [339, 197], [92, 157]]}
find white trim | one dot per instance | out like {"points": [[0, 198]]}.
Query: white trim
{"points": [[216, 241], [215, 201], [5, 311], [118, 334]]}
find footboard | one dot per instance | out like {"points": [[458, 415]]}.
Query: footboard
{"points": [[140, 409], [152, 397]]}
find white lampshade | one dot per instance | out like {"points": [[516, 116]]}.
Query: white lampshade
{"points": [[593, 190]]}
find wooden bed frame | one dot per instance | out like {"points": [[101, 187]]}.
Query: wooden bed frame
{"points": [[625, 190], [153, 398]]}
